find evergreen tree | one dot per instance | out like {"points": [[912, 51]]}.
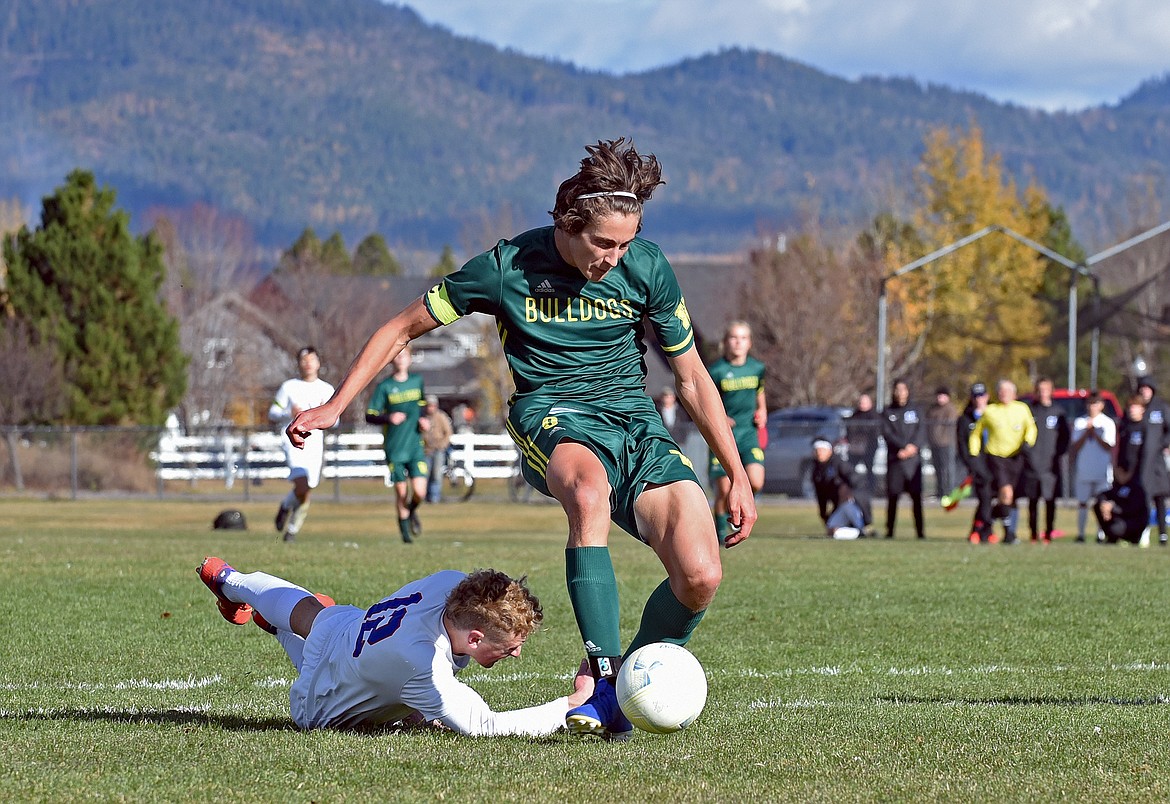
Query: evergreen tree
{"points": [[334, 256], [303, 255], [83, 282], [373, 258], [446, 264]]}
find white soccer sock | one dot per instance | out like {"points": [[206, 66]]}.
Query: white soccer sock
{"points": [[1082, 518], [273, 597]]}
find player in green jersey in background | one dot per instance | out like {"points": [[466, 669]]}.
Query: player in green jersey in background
{"points": [[398, 404], [570, 302], [740, 380]]}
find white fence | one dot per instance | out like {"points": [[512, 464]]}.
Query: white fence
{"points": [[258, 455]]}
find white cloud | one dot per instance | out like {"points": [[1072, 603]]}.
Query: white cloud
{"points": [[1048, 53]]}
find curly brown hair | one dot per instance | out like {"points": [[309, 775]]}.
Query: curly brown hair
{"points": [[613, 166], [502, 607]]}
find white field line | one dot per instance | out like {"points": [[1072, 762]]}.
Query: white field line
{"points": [[490, 677]]}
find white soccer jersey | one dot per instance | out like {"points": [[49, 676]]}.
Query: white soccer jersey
{"points": [[304, 395], [363, 668], [1094, 462]]}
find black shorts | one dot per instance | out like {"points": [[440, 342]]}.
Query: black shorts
{"points": [[1006, 471]]}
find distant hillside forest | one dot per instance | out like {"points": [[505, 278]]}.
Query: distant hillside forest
{"points": [[355, 116]]}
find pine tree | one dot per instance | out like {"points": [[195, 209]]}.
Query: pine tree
{"points": [[373, 258], [446, 264], [85, 283]]}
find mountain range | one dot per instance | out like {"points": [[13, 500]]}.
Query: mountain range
{"points": [[356, 116]]}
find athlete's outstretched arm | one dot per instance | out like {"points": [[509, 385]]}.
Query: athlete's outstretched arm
{"points": [[700, 397], [386, 342]]}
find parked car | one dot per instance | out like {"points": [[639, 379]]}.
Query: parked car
{"points": [[1074, 401], [788, 460]]}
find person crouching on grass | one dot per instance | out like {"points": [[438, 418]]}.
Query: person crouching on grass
{"points": [[844, 516], [396, 662]]}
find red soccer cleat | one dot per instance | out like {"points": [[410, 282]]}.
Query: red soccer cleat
{"points": [[212, 572]]}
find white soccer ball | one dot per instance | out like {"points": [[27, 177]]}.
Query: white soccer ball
{"points": [[661, 688]]}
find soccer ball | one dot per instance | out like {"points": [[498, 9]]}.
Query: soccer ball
{"points": [[661, 688]]}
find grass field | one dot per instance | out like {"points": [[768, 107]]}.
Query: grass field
{"points": [[869, 670]]}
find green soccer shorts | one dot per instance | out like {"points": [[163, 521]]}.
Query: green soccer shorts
{"points": [[408, 463], [748, 442], [632, 444]]}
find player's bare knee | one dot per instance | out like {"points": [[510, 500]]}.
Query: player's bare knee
{"points": [[700, 585]]}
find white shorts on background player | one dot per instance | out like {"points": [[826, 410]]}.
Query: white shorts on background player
{"points": [[399, 670], [305, 462]]}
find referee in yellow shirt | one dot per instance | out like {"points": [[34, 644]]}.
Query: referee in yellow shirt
{"points": [[1009, 428]]}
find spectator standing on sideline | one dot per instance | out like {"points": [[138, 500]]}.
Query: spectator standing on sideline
{"points": [[677, 422], [837, 503], [436, 443], [1094, 437], [740, 380], [981, 485], [940, 434], [1155, 479], [904, 431], [397, 661], [304, 465], [1042, 476], [1011, 432], [862, 429], [398, 404], [571, 303]]}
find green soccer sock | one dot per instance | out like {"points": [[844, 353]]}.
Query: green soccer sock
{"points": [[404, 529], [722, 527], [665, 619], [594, 595]]}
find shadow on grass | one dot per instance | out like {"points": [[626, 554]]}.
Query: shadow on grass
{"points": [[1029, 700], [171, 717]]}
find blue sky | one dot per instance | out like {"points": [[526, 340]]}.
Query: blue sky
{"points": [[1049, 54]]}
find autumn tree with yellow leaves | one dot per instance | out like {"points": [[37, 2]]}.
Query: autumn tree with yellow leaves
{"points": [[977, 313]]}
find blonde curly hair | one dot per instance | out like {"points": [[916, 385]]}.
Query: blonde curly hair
{"points": [[502, 607]]}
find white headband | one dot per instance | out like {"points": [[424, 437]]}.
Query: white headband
{"points": [[618, 193], [821, 443]]}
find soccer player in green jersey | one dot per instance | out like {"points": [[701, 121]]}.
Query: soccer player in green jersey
{"points": [[570, 302], [740, 380], [398, 404]]}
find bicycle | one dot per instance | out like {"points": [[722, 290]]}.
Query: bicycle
{"points": [[457, 480], [519, 490]]}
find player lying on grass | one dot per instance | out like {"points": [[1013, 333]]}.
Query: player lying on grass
{"points": [[397, 660]]}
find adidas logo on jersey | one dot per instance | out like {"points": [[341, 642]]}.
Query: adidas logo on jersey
{"points": [[544, 287]]}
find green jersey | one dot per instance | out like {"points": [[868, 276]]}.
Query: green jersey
{"points": [[400, 396], [739, 386], [563, 336]]}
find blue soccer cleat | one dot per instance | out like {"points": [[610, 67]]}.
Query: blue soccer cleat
{"points": [[600, 715]]}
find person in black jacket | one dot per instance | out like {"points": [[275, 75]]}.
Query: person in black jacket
{"points": [[1042, 469], [1123, 512], [1155, 478], [904, 431], [862, 429], [982, 487], [845, 514]]}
